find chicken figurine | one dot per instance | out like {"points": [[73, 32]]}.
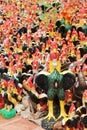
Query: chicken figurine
{"points": [[72, 121], [8, 111], [80, 86], [37, 98], [54, 61], [82, 111], [55, 85]]}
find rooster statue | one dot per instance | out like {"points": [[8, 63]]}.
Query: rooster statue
{"points": [[54, 85], [38, 99], [81, 82]]}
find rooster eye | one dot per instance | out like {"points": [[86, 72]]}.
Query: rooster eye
{"points": [[56, 84]]}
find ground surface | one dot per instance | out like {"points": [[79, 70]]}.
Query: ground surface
{"points": [[18, 123]]}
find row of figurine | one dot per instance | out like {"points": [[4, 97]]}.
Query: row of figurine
{"points": [[27, 49], [43, 89]]}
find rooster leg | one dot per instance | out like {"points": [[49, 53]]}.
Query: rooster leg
{"points": [[7, 107], [62, 110], [50, 110]]}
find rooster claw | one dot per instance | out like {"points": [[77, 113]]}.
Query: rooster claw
{"points": [[50, 117], [61, 116]]}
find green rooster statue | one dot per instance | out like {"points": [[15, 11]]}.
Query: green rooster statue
{"points": [[54, 86]]}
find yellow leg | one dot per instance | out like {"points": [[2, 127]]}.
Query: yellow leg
{"points": [[62, 110], [8, 108], [5, 106], [50, 110]]}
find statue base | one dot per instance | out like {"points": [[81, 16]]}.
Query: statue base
{"points": [[48, 125]]}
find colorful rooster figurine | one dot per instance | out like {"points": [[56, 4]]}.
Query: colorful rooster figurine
{"points": [[54, 61], [72, 121], [82, 111], [38, 99], [54, 85]]}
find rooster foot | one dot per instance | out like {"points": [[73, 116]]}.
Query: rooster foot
{"points": [[50, 117], [62, 116]]}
